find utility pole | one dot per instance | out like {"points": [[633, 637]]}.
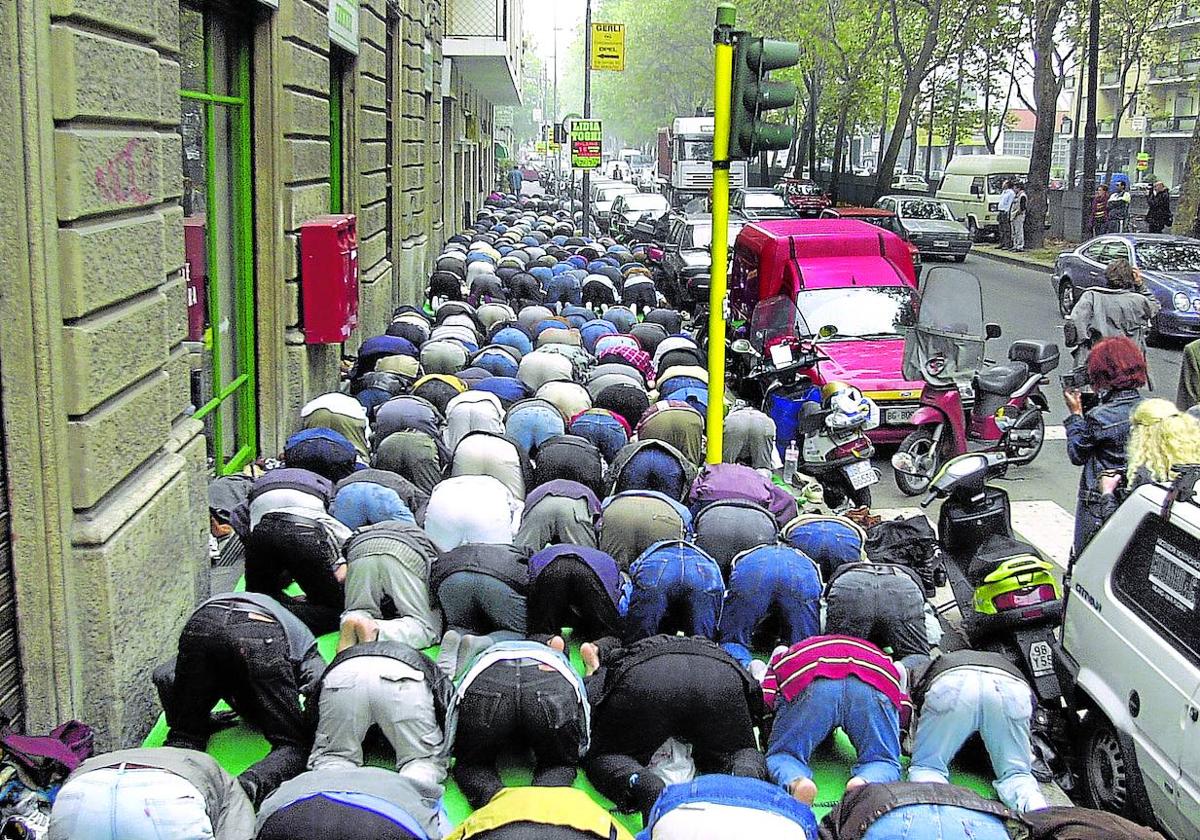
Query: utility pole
{"points": [[722, 106], [587, 112]]}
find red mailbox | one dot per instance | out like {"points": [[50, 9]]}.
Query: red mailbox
{"points": [[329, 278]]}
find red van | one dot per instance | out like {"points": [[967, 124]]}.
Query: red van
{"points": [[855, 290]]}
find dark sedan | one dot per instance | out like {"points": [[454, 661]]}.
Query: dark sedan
{"points": [[929, 225], [687, 264], [1169, 265]]}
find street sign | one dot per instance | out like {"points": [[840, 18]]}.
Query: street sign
{"points": [[343, 24], [1143, 161], [608, 46], [1138, 123], [542, 147], [586, 139]]}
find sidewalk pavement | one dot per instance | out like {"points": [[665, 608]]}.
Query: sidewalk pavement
{"points": [[1042, 260]]}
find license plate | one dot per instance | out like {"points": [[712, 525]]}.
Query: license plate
{"points": [[898, 416], [781, 355], [861, 474], [1041, 658], [941, 243]]}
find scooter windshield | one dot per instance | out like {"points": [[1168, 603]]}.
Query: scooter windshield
{"points": [[947, 343], [773, 317]]}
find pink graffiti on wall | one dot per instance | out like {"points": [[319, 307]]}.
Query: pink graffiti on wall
{"points": [[122, 177]]}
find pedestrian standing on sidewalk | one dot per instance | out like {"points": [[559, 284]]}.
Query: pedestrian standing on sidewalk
{"points": [[1003, 211], [1118, 208], [515, 179], [1017, 217], [1158, 212], [1100, 210]]}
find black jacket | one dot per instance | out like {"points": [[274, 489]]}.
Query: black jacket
{"points": [[505, 563], [601, 684], [1158, 207]]}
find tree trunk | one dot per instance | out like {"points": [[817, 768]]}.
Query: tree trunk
{"points": [[1088, 185], [912, 146], [987, 99], [1187, 211], [812, 129], [1045, 90], [952, 140], [1072, 167], [839, 142], [929, 138], [904, 108]]}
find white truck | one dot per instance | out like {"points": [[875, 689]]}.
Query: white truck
{"points": [[685, 160]]}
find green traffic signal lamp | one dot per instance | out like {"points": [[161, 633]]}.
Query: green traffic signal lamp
{"points": [[753, 94]]}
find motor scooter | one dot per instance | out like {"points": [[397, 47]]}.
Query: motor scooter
{"points": [[1005, 590], [827, 424], [946, 349]]}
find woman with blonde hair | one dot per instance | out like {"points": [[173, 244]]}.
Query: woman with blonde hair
{"points": [[1160, 437]]}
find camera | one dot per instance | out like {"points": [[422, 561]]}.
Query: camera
{"points": [[1076, 379]]}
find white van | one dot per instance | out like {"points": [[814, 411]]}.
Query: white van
{"points": [[972, 185]]}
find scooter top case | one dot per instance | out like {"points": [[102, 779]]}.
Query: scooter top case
{"points": [[964, 527]]}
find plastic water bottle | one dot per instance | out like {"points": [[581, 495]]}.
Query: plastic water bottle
{"points": [[790, 459]]}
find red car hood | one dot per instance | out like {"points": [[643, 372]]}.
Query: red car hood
{"points": [[872, 365]]}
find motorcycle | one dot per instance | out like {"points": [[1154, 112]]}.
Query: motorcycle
{"points": [[643, 231], [1004, 589], [828, 424], [946, 350]]}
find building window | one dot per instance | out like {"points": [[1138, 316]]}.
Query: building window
{"points": [[215, 123], [339, 64]]}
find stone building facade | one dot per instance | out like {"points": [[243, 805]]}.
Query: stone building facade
{"points": [[161, 158]]}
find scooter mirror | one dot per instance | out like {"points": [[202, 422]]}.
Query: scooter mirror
{"points": [[827, 331], [903, 462], [741, 345], [992, 331]]}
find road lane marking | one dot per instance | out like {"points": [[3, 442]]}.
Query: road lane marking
{"points": [[1056, 433]]}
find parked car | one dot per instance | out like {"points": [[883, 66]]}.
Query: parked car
{"points": [[604, 198], [855, 288], [803, 195], [885, 219], [628, 208], [909, 182], [972, 186], [929, 224], [1130, 663], [687, 261], [757, 203], [1169, 265]]}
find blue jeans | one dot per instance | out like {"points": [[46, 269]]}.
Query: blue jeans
{"points": [[936, 822], [676, 578], [605, 432], [769, 577], [866, 714], [964, 701], [532, 424]]}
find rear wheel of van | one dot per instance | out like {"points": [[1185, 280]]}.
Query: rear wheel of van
{"points": [[1111, 778]]}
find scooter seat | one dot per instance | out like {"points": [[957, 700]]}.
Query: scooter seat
{"points": [[1002, 379]]}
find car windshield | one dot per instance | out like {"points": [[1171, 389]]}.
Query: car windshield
{"points": [[762, 200], [702, 234], [645, 201], [802, 189], [858, 311], [1169, 256], [611, 193], [996, 182], [697, 149], [921, 209]]}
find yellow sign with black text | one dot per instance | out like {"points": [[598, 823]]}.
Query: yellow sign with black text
{"points": [[608, 46]]}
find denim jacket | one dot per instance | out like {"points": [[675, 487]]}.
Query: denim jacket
{"points": [[1097, 441]]}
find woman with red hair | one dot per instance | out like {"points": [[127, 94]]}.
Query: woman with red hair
{"points": [[1096, 441]]}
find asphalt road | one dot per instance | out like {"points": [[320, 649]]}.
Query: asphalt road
{"points": [[1020, 300]]}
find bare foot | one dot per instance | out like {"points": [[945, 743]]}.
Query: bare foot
{"points": [[557, 643], [590, 654], [804, 790], [355, 630], [856, 782]]}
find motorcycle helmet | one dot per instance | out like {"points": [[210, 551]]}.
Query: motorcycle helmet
{"points": [[847, 406]]}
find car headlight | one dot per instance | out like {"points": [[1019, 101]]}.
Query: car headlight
{"points": [[993, 207], [1181, 302]]}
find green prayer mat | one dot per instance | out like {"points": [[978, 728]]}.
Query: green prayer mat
{"points": [[237, 747]]}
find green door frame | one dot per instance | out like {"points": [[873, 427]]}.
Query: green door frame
{"points": [[337, 69], [242, 225]]}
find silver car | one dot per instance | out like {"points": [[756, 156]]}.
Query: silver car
{"points": [[929, 224]]}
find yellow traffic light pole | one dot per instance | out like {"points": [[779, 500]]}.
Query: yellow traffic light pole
{"points": [[722, 84]]}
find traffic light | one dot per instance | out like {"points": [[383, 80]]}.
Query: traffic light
{"points": [[753, 94]]}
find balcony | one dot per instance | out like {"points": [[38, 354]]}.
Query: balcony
{"points": [[1175, 71], [1173, 126], [1185, 14], [483, 39], [1109, 79]]}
